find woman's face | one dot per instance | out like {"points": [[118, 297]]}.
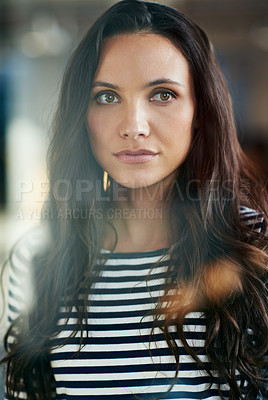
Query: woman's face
{"points": [[141, 113]]}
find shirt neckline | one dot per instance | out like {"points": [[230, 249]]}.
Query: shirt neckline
{"points": [[136, 254]]}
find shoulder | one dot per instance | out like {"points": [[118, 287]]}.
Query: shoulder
{"points": [[20, 270], [252, 219], [30, 244]]}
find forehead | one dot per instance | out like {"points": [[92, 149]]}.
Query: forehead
{"points": [[141, 55]]}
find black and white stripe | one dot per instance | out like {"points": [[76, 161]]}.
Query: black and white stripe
{"points": [[119, 359], [116, 360]]}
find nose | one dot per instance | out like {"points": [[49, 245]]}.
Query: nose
{"points": [[134, 123]]}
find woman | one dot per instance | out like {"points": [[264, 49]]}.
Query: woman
{"points": [[152, 281]]}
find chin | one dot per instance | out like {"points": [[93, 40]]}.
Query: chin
{"points": [[135, 183]]}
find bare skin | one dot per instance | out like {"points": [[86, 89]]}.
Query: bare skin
{"points": [[142, 98], [139, 219]]}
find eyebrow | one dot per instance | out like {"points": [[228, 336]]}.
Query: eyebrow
{"points": [[162, 80], [149, 84], [106, 84]]}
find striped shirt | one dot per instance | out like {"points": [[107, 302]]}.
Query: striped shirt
{"points": [[119, 359]]}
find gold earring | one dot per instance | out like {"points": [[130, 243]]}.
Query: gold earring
{"points": [[106, 181]]}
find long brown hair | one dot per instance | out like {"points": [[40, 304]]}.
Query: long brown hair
{"points": [[207, 233]]}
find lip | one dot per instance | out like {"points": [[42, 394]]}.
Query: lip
{"points": [[135, 152], [135, 156]]}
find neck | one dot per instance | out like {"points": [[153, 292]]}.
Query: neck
{"points": [[139, 217]]}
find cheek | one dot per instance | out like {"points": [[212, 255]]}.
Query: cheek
{"points": [[95, 130], [92, 123], [100, 127], [177, 130], [94, 137]]}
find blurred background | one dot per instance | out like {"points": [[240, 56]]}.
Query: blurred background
{"points": [[36, 40]]}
